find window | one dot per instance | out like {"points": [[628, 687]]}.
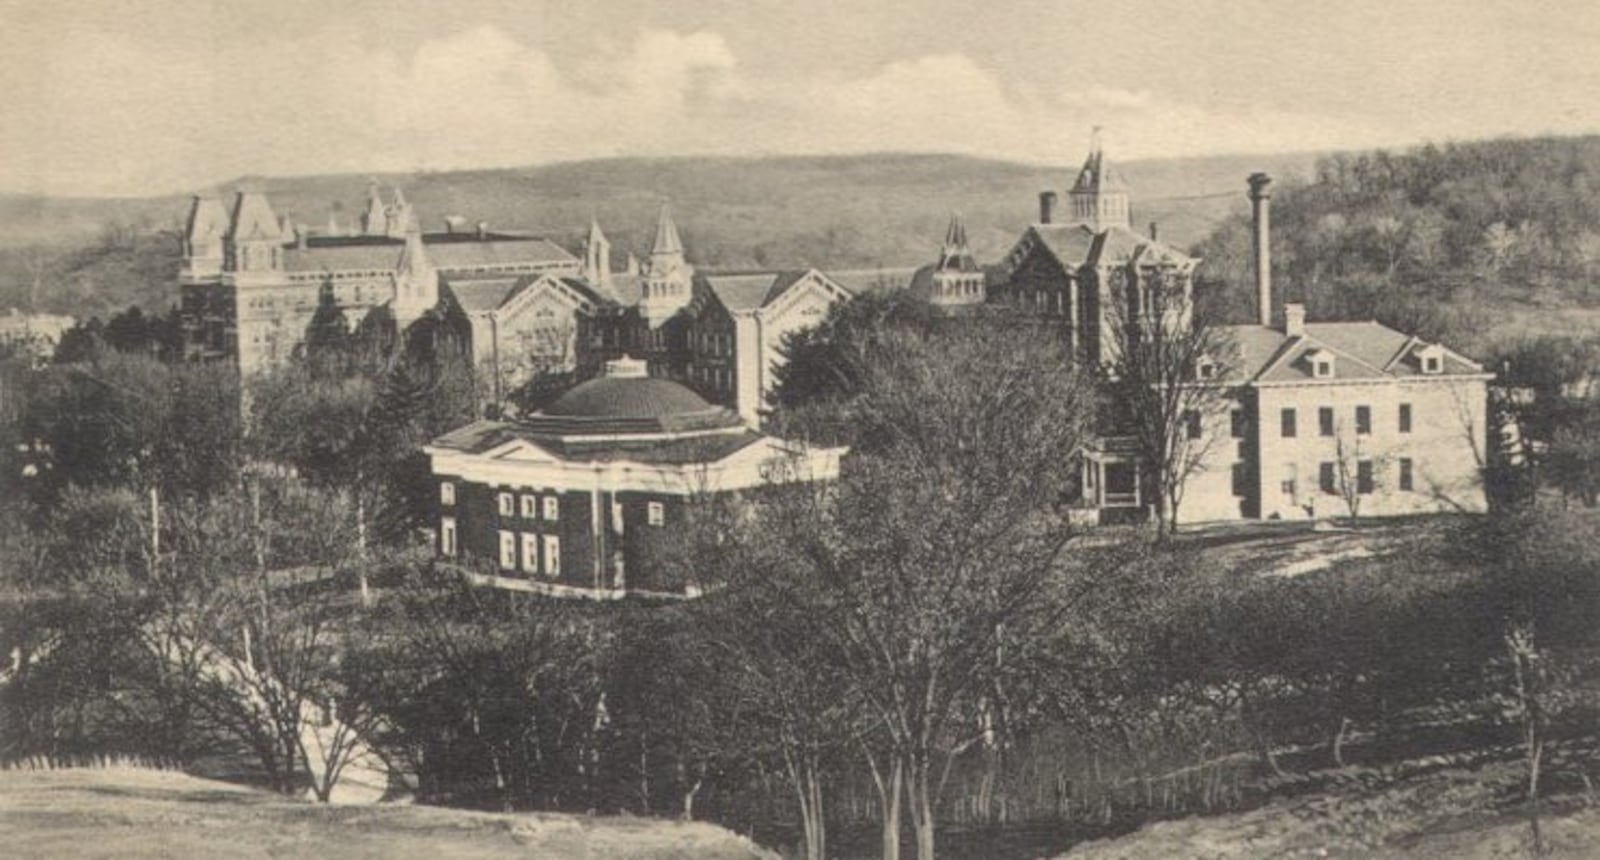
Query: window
{"points": [[552, 555], [1241, 479], [508, 505], [1323, 368], [508, 550], [1236, 423], [1327, 479], [1325, 420], [1432, 364], [447, 537], [530, 553], [1291, 473], [1364, 482], [1363, 420], [1405, 474], [552, 508], [1192, 426], [656, 514], [530, 507], [447, 493], [1287, 421], [1405, 418], [1206, 369]]}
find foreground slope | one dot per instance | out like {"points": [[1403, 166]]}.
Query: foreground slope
{"points": [[127, 812]]}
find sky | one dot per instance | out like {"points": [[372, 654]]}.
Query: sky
{"points": [[143, 97]]}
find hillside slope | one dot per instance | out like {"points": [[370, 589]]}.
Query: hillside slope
{"points": [[831, 212], [132, 813]]}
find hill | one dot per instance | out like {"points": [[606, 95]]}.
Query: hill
{"points": [[129, 812], [833, 211], [1472, 243]]}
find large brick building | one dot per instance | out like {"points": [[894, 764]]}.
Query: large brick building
{"points": [[584, 492]]}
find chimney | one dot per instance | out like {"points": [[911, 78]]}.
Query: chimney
{"points": [[1155, 233], [1294, 319], [1047, 206], [1261, 218]]}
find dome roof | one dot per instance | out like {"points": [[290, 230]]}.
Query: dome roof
{"points": [[627, 397]]}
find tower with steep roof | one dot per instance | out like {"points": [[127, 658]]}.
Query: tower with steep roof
{"points": [[1099, 196], [255, 237], [203, 237], [668, 277], [957, 279]]}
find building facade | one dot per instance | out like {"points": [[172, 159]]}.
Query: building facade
{"points": [[588, 492]]}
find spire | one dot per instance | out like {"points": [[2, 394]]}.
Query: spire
{"points": [[374, 222], [416, 281], [667, 243], [955, 236]]}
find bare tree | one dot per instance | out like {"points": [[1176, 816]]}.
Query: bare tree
{"points": [[936, 558], [1170, 374], [1356, 470]]}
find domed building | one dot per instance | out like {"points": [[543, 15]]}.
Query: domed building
{"points": [[579, 493]]}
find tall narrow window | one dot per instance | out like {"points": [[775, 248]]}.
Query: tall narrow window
{"points": [[508, 505], [1241, 479], [508, 550], [1191, 423], [1363, 420], [530, 507], [1405, 474], [1405, 418], [1236, 423], [552, 508], [1325, 420], [1327, 478], [656, 514], [447, 537], [447, 493], [1364, 479], [530, 553], [1286, 420], [552, 556]]}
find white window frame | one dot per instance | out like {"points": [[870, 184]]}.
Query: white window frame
{"points": [[552, 508], [530, 553], [507, 504], [552, 556], [447, 493], [447, 537], [508, 550], [530, 506], [655, 514]]}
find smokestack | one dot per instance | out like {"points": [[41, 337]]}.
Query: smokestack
{"points": [[1261, 217], [1047, 206], [1155, 233]]}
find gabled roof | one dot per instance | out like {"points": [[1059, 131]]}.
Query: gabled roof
{"points": [[452, 255], [1364, 351], [476, 295]]}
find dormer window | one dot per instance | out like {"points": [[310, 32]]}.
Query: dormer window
{"points": [[1205, 368], [1430, 359], [1321, 363]]}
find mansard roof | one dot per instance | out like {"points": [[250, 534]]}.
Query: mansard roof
{"points": [[1366, 351], [207, 219], [252, 218]]}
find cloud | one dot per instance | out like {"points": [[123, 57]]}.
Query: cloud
{"points": [[108, 114]]}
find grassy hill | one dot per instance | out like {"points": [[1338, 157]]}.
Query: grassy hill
{"points": [[834, 211], [131, 813]]}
